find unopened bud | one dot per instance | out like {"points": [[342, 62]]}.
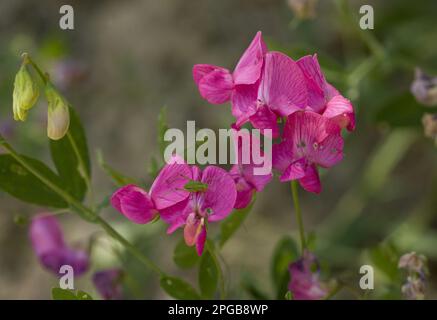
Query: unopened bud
{"points": [[25, 94], [58, 114]]}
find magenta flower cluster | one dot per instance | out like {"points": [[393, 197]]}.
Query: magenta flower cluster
{"points": [[265, 88]]}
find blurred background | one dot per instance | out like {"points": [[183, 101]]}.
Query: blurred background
{"points": [[125, 60]]}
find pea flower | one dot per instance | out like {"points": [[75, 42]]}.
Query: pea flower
{"points": [[309, 140], [416, 266], [218, 85], [211, 198], [25, 94], [109, 283], [323, 98], [58, 114], [49, 245], [246, 181], [304, 282], [424, 88], [168, 189]]}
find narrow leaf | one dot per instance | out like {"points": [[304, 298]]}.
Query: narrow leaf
{"points": [[208, 276], [178, 288], [184, 256]]}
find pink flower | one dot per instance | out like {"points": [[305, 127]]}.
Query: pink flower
{"points": [[304, 283], [167, 190], [108, 283], [48, 243], [218, 85], [212, 199], [323, 98], [246, 181], [309, 140]]}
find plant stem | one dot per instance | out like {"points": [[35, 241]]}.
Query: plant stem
{"points": [[298, 214], [84, 211], [211, 250]]}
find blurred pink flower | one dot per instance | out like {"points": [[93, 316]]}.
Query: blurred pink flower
{"points": [[304, 281], [323, 98], [201, 207], [108, 283], [309, 140], [167, 190], [246, 182], [49, 245]]}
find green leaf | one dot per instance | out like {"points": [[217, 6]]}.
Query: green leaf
{"points": [[71, 158], [82, 295], [231, 224], [385, 257], [22, 184], [208, 275], [184, 256], [178, 288], [63, 294], [285, 253], [119, 178]]}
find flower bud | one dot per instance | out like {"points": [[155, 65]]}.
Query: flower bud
{"points": [[58, 114], [25, 94]]}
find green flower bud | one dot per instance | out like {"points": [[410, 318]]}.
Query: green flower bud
{"points": [[25, 94], [58, 114]]}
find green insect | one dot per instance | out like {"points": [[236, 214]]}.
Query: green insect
{"points": [[195, 186]]}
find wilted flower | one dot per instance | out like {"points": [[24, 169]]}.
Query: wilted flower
{"points": [[413, 262], [429, 122], [109, 283], [49, 245], [211, 199], [167, 190], [309, 140], [25, 94], [415, 287], [303, 9], [246, 182], [424, 88], [58, 114], [304, 280]]}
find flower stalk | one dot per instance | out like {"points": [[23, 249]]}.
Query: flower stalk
{"points": [[298, 214]]}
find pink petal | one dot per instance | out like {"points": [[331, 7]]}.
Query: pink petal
{"points": [[295, 171], [134, 203], [45, 234], [311, 181], [220, 197], [216, 86], [315, 81], [168, 187], [193, 228], [329, 151], [176, 215], [243, 101], [341, 111], [248, 69], [200, 242], [283, 87], [243, 198], [263, 119], [201, 70], [282, 155]]}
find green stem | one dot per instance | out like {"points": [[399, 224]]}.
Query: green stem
{"points": [[211, 250], [298, 214], [28, 59], [84, 211]]}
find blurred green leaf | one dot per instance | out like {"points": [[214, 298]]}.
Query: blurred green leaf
{"points": [[249, 285], [178, 288], [118, 178], [162, 128], [184, 256], [22, 184], [285, 253], [153, 168], [401, 111], [71, 158], [63, 294], [385, 257], [208, 275], [231, 224]]}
